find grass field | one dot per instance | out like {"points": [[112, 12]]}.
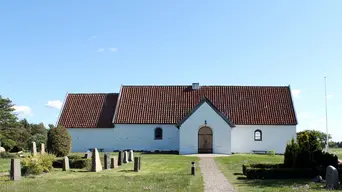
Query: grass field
{"points": [[5, 165], [232, 169], [337, 151], [158, 173]]}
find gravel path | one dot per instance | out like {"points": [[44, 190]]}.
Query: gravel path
{"points": [[214, 180]]}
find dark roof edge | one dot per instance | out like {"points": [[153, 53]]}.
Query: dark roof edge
{"points": [[117, 105], [292, 103], [205, 99], [62, 108]]}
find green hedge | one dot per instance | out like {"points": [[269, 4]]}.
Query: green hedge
{"points": [[73, 163], [279, 173], [245, 166]]}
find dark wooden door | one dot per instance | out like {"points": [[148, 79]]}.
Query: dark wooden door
{"points": [[205, 140]]}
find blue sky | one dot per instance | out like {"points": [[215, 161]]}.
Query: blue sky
{"points": [[50, 48]]}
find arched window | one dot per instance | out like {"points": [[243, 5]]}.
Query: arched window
{"points": [[158, 134], [257, 135]]}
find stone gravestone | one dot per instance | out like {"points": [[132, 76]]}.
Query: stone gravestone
{"points": [[42, 148], [34, 149], [120, 158], [131, 156], [66, 165], [15, 173], [96, 161], [136, 164], [113, 163], [125, 159], [88, 155], [106, 161], [331, 177]]}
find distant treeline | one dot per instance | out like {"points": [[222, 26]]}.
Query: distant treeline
{"points": [[334, 144]]}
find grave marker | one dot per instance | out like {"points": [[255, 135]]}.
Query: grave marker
{"points": [[42, 148], [34, 149], [125, 159], [96, 161], [106, 161], [120, 158], [113, 163], [66, 165], [131, 156], [15, 173], [136, 164], [331, 177]]}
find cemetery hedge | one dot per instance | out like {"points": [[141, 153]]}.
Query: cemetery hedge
{"points": [[76, 163], [303, 158]]}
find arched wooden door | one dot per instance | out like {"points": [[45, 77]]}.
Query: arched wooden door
{"points": [[205, 140]]}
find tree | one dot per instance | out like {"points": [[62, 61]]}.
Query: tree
{"points": [[320, 136], [20, 135], [7, 118], [38, 138], [8, 144], [51, 126], [59, 141], [38, 129]]}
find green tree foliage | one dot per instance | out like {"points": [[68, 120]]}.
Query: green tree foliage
{"points": [[7, 118], [20, 135], [320, 136], [59, 141], [8, 144]]}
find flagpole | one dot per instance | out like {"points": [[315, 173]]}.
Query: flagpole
{"points": [[326, 114]]}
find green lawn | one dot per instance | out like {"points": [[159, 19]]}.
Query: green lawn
{"points": [[158, 173], [337, 151], [5, 165], [232, 169]]}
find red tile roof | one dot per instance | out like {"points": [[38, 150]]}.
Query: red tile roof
{"points": [[88, 110], [243, 105]]}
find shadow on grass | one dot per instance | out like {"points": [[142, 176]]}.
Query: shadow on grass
{"points": [[127, 171], [237, 174]]}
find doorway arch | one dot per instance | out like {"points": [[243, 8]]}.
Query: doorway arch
{"points": [[205, 140]]}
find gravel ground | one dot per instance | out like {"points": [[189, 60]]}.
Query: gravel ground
{"points": [[214, 180]]}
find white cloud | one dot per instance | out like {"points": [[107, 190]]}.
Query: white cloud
{"points": [[295, 92], [92, 37], [113, 49], [57, 104], [22, 111], [100, 50]]}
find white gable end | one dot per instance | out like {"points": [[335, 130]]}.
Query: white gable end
{"points": [[203, 116]]}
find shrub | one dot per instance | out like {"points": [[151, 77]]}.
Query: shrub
{"points": [[290, 155], [38, 164], [74, 157], [59, 141], [7, 155], [271, 153], [279, 173]]}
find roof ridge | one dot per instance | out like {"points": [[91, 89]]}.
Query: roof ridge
{"points": [[79, 93]]}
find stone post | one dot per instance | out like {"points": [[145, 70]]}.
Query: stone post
{"points": [[15, 173], [66, 165], [113, 164], [96, 161], [331, 177], [136, 164], [42, 148], [125, 159], [120, 158], [106, 161], [139, 162], [34, 149], [130, 156]]}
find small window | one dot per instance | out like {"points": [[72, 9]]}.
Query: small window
{"points": [[257, 135], [158, 134]]}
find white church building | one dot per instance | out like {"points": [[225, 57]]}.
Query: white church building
{"points": [[189, 119]]}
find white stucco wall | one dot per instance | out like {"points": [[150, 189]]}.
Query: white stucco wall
{"points": [[124, 136], [274, 137], [188, 131]]}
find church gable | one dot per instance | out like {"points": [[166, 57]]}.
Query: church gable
{"points": [[205, 101]]}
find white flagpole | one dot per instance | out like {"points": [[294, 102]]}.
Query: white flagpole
{"points": [[326, 114]]}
